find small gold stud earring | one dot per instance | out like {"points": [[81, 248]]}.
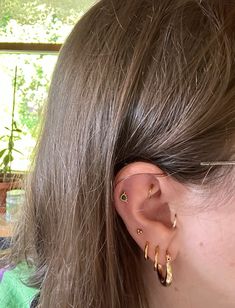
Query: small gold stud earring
{"points": [[123, 197], [139, 231]]}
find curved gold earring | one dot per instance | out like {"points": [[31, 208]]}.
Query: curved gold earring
{"points": [[156, 257], [174, 223], [146, 250], [167, 280]]}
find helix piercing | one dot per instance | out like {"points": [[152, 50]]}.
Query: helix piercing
{"points": [[123, 197]]}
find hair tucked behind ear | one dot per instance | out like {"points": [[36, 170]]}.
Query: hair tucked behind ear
{"points": [[135, 80]]}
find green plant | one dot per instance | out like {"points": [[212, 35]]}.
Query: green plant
{"points": [[6, 154]]}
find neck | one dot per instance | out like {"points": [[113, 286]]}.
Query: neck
{"points": [[186, 290]]}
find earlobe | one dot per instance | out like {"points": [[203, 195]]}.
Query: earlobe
{"points": [[139, 201]]}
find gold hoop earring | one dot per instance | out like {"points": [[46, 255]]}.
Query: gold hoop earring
{"points": [[146, 250], [156, 257], [167, 280]]}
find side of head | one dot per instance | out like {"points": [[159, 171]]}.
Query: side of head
{"points": [[139, 87]]}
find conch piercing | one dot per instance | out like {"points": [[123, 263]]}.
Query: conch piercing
{"points": [[123, 197]]}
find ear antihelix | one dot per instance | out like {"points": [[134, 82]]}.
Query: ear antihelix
{"points": [[124, 198]]}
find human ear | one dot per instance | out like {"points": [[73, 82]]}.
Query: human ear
{"points": [[142, 201]]}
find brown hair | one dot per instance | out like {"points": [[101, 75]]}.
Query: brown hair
{"points": [[135, 80]]}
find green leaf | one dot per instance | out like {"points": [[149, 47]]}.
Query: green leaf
{"points": [[8, 158], [2, 152], [6, 128]]}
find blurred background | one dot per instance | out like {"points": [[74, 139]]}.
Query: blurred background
{"points": [[31, 34]]}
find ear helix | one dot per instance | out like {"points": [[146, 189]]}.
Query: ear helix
{"points": [[167, 279]]}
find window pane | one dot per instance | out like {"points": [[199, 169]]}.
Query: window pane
{"points": [[32, 83], [39, 21]]}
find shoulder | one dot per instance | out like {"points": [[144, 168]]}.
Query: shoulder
{"points": [[13, 292]]}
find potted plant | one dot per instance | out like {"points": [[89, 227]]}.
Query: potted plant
{"points": [[8, 179]]}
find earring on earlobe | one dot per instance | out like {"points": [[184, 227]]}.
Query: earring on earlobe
{"points": [[156, 258], [146, 250], [167, 279]]}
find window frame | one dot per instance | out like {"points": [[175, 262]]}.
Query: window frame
{"points": [[29, 47]]}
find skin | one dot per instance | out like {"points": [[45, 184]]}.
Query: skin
{"points": [[204, 270], [203, 244]]}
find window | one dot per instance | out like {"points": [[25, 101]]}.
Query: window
{"points": [[31, 34]]}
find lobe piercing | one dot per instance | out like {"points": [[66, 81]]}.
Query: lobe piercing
{"points": [[146, 250], [139, 231], [156, 257]]}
